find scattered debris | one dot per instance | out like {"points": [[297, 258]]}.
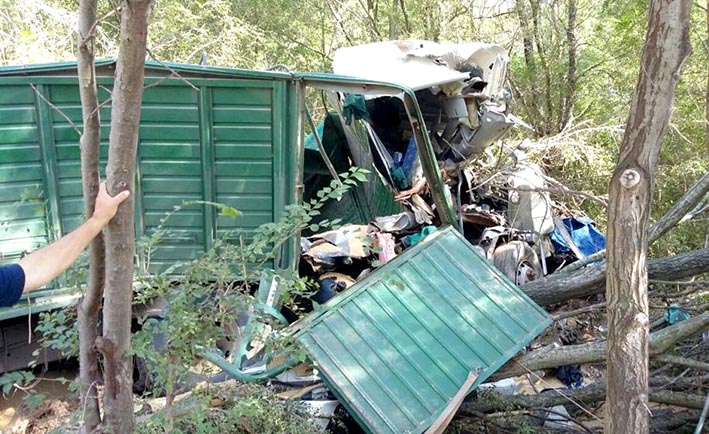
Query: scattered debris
{"points": [[507, 386], [675, 314], [399, 283], [557, 417]]}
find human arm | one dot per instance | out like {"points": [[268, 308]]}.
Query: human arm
{"points": [[417, 188], [45, 264]]}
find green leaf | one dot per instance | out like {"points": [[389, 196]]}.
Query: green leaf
{"points": [[359, 176], [33, 400], [228, 211], [314, 227]]}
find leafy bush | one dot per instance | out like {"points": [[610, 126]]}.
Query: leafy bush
{"points": [[238, 409]]}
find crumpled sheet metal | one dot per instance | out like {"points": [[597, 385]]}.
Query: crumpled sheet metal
{"points": [[418, 64]]}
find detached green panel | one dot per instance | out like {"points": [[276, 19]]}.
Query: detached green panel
{"points": [[399, 344]]}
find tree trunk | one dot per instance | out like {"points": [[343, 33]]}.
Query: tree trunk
{"points": [[569, 96], [560, 287], [706, 98], [666, 47], [90, 142], [120, 236], [527, 43], [392, 19]]}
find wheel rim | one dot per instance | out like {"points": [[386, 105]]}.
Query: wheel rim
{"points": [[525, 273]]}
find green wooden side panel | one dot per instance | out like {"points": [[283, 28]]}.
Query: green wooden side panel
{"points": [[23, 218], [398, 345], [222, 142]]}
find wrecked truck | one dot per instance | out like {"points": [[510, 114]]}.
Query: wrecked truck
{"points": [[395, 342], [432, 310]]}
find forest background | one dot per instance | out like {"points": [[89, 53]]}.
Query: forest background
{"points": [[573, 67]]}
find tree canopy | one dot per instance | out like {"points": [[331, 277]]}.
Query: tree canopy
{"points": [[572, 71]]}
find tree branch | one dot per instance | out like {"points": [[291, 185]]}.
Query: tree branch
{"points": [[686, 208], [586, 395], [683, 361], [560, 287], [55, 108], [593, 352], [680, 209]]}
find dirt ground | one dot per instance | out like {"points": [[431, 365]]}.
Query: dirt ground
{"points": [[55, 410]]}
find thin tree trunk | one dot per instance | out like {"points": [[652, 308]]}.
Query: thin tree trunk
{"points": [[570, 94], [407, 23], [120, 236], [527, 43], [548, 119], [706, 100], [392, 20], [530, 102], [90, 142], [666, 47]]}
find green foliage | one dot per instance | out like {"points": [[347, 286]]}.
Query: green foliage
{"points": [[24, 381], [205, 299], [16, 379], [240, 409], [59, 327], [59, 331]]}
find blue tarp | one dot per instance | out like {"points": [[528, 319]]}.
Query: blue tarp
{"points": [[584, 233]]}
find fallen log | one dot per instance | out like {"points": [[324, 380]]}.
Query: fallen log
{"points": [[595, 392], [593, 352], [560, 287], [683, 361]]}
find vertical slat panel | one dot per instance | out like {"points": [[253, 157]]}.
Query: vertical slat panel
{"points": [[49, 161], [206, 142]]}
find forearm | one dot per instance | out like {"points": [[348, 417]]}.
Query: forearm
{"points": [[44, 265]]}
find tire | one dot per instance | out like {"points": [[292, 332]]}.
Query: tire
{"points": [[518, 261]]}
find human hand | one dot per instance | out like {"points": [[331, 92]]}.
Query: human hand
{"points": [[107, 206], [419, 187]]}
